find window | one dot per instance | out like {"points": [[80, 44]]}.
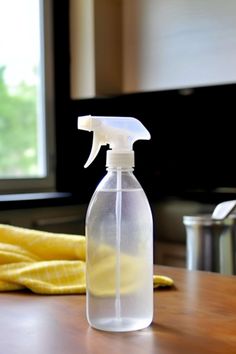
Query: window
{"points": [[26, 96]]}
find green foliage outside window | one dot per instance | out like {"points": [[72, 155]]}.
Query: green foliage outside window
{"points": [[18, 130]]}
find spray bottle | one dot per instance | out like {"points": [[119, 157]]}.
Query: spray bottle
{"points": [[119, 232]]}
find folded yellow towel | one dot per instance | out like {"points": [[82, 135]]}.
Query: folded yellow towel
{"points": [[48, 263]]}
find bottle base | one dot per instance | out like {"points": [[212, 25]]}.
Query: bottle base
{"points": [[120, 325]]}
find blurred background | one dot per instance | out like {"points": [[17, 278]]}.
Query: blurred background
{"points": [[171, 64]]}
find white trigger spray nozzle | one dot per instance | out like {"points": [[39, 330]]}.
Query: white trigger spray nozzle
{"points": [[119, 132]]}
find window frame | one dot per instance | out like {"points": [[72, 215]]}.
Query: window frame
{"points": [[47, 183]]}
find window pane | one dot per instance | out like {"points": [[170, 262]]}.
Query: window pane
{"points": [[22, 133]]}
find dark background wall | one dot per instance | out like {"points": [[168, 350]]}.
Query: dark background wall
{"points": [[193, 138]]}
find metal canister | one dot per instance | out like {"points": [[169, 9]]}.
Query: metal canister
{"points": [[211, 244]]}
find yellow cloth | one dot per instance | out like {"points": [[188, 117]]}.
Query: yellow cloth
{"points": [[48, 263]]}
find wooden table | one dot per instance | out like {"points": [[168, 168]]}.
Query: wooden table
{"points": [[197, 316]]}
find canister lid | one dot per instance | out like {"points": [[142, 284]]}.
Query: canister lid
{"points": [[206, 220]]}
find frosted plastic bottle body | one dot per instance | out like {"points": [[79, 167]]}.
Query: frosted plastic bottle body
{"points": [[119, 231]]}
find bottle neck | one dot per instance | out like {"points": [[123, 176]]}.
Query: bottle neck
{"points": [[119, 169], [119, 179]]}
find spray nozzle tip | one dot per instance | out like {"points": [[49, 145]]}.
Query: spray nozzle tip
{"points": [[84, 123]]}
